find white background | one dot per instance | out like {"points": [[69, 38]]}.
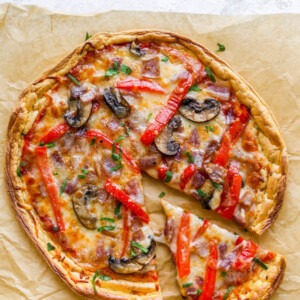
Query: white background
{"points": [[226, 7]]}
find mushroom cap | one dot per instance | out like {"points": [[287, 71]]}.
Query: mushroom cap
{"points": [[198, 112], [136, 50]]}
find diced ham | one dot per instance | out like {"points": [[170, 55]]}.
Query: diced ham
{"points": [[215, 172], [201, 248], [102, 196], [210, 150], [113, 125], [198, 157], [236, 277], [57, 158], [71, 186], [219, 90], [150, 68], [77, 91], [169, 230], [191, 291], [133, 190], [222, 247], [199, 280], [88, 96], [194, 138], [226, 262], [148, 161], [198, 179], [108, 164]]}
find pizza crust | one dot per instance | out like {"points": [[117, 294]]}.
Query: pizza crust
{"points": [[32, 99]]}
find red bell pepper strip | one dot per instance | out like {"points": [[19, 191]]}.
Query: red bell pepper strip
{"points": [[245, 257], [108, 143], [126, 200], [161, 171], [201, 230], [55, 133], [132, 83], [168, 111], [210, 273], [269, 256], [183, 246], [187, 175], [49, 182], [125, 235], [231, 192], [230, 137]]}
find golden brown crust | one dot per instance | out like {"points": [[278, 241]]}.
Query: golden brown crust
{"points": [[31, 100]]}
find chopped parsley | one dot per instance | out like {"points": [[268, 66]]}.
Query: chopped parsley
{"points": [[93, 141], [87, 36], [223, 274], [149, 116], [161, 194], [135, 244], [118, 209], [112, 71], [85, 171], [194, 88], [108, 219], [228, 292], [169, 176], [106, 228], [210, 75], [74, 79], [187, 284], [49, 145], [217, 186], [63, 186], [166, 58], [19, 169], [81, 176], [127, 131], [191, 159], [55, 173], [201, 193], [258, 261], [55, 228], [50, 247], [209, 128], [126, 70], [221, 48], [199, 292]]}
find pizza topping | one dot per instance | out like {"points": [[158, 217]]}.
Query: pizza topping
{"points": [[81, 203], [209, 73], [78, 113], [150, 68], [199, 112], [207, 190], [126, 200], [258, 261], [148, 161], [219, 90], [168, 111], [136, 50], [187, 175], [194, 139], [134, 263], [116, 102], [74, 79], [132, 84], [55, 133], [215, 172], [165, 141]]}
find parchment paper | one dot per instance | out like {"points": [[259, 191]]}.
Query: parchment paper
{"points": [[264, 49]]}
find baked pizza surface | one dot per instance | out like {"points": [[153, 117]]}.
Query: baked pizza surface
{"points": [[218, 264], [124, 103]]}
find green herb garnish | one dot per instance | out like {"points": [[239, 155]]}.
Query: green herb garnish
{"points": [[118, 209], [149, 116], [55, 173], [115, 168], [81, 176], [19, 169], [210, 75], [74, 79], [55, 228], [135, 244], [85, 171], [41, 144], [169, 176], [108, 220], [116, 157], [93, 280], [161, 194], [201, 193], [127, 131], [223, 274], [209, 128], [217, 186], [87, 36], [199, 292], [93, 141], [194, 88], [166, 58], [50, 247], [200, 218], [132, 254], [106, 228], [49, 145], [103, 277], [228, 292], [63, 186], [125, 69], [187, 284], [221, 48], [123, 124], [260, 263], [112, 71], [191, 159]]}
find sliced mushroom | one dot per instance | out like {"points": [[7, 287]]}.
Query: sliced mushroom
{"points": [[81, 203], [165, 142], [198, 112], [133, 264], [116, 102], [78, 113], [136, 50], [208, 190]]}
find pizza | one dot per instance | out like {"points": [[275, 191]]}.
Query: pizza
{"points": [[213, 263], [118, 105]]}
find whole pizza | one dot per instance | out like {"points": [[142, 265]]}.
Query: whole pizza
{"points": [[155, 102]]}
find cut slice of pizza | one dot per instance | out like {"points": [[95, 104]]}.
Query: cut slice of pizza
{"points": [[213, 263]]}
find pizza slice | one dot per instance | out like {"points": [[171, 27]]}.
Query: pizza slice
{"points": [[213, 263]]}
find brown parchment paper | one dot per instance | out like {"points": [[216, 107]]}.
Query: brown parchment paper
{"points": [[263, 49]]}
